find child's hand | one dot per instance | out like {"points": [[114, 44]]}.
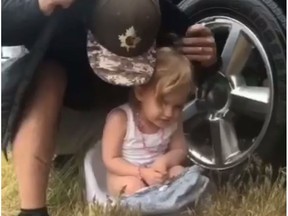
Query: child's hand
{"points": [[160, 166], [153, 177]]}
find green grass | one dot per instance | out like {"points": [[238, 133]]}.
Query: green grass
{"points": [[260, 196]]}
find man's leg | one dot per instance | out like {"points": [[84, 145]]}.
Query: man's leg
{"points": [[33, 147]]}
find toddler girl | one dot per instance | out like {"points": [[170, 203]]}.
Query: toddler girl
{"points": [[143, 140]]}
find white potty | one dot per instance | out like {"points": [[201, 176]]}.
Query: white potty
{"points": [[95, 176]]}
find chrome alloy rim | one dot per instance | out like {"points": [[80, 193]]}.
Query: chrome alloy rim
{"points": [[227, 96]]}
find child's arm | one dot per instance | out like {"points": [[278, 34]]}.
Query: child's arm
{"points": [[112, 140], [177, 150]]}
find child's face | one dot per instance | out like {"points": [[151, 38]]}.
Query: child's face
{"points": [[162, 113]]}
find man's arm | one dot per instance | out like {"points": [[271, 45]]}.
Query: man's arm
{"points": [[195, 41], [173, 20], [174, 24]]}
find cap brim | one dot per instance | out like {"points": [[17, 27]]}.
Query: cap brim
{"points": [[120, 70]]}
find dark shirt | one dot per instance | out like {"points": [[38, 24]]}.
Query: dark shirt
{"points": [[22, 21]]}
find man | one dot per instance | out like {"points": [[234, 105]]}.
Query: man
{"points": [[65, 75]]}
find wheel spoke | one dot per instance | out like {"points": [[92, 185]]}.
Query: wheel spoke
{"points": [[224, 140], [251, 101], [190, 110], [236, 52]]}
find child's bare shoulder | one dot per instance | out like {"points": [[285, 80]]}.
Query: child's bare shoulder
{"points": [[117, 116]]}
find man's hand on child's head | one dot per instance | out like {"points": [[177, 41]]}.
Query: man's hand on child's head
{"points": [[199, 45]]}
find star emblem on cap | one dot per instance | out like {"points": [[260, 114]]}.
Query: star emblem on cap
{"points": [[129, 40]]}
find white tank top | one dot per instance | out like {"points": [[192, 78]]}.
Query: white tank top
{"points": [[140, 148]]}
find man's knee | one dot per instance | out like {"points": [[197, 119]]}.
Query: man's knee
{"points": [[49, 86], [52, 77]]}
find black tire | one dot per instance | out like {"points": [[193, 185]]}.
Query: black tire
{"points": [[268, 22]]}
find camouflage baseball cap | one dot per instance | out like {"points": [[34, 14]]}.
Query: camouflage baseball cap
{"points": [[121, 40]]}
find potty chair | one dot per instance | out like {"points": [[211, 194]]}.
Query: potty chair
{"points": [[95, 176], [184, 191]]}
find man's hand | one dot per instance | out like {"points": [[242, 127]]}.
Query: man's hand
{"points": [[199, 45], [48, 6]]}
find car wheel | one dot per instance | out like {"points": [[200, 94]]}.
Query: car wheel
{"points": [[241, 109]]}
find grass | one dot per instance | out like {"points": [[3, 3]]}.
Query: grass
{"points": [[259, 196]]}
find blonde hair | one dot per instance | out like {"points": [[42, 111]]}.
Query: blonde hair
{"points": [[173, 72]]}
